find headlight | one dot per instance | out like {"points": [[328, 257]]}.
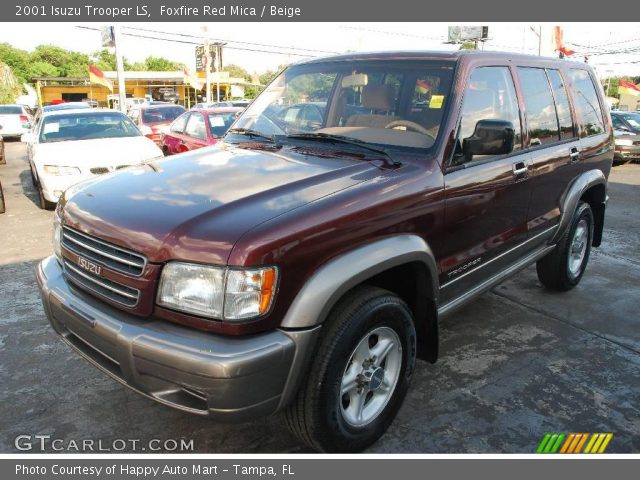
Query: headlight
{"points": [[56, 170], [214, 292], [57, 236]]}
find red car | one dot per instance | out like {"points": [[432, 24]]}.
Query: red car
{"points": [[153, 119], [198, 128]]}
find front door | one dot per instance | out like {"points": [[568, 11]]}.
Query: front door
{"points": [[487, 197]]}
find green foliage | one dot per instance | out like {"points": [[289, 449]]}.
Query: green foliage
{"points": [[17, 60], [160, 64], [9, 86], [238, 72], [269, 75]]}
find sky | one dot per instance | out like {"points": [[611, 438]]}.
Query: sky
{"points": [[606, 44]]}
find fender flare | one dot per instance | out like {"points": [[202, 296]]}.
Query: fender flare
{"points": [[331, 281], [571, 197]]}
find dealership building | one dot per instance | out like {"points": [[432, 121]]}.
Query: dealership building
{"points": [[138, 84]]}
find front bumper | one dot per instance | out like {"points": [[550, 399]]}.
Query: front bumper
{"points": [[227, 378], [625, 152]]}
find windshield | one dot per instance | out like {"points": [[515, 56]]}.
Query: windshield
{"points": [[633, 119], [10, 110], [161, 114], [396, 103], [219, 123], [86, 126]]}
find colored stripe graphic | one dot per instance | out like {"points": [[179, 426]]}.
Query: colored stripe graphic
{"points": [[571, 443]]}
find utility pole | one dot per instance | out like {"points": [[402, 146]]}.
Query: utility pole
{"points": [[122, 94], [207, 69]]}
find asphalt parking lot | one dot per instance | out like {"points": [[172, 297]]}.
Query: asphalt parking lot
{"points": [[515, 364]]}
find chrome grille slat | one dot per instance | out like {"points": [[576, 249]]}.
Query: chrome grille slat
{"points": [[106, 288], [106, 254]]}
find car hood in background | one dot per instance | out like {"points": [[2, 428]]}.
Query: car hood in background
{"points": [[100, 152]]}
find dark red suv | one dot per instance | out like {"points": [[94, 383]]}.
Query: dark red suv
{"points": [[303, 266]]}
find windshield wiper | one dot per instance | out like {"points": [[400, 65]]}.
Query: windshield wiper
{"points": [[254, 134], [328, 137]]}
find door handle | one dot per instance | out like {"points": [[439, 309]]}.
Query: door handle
{"points": [[574, 154], [520, 168]]}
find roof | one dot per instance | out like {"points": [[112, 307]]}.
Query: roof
{"points": [[452, 55], [85, 111], [218, 109]]}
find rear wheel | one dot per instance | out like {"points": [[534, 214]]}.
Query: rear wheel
{"points": [[563, 268], [360, 373]]}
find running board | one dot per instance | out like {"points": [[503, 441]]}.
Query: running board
{"points": [[488, 284]]}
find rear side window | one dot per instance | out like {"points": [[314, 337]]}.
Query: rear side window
{"points": [[587, 103], [562, 104], [542, 121], [179, 123], [490, 95], [10, 110]]}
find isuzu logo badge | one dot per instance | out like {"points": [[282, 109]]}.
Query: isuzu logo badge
{"points": [[89, 266]]}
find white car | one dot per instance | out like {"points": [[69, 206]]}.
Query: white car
{"points": [[14, 120], [69, 146]]}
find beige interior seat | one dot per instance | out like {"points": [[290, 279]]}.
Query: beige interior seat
{"points": [[378, 98]]}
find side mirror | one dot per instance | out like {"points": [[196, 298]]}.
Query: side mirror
{"points": [[490, 137], [28, 137]]}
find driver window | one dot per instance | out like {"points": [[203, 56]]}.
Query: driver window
{"points": [[490, 95], [196, 127]]}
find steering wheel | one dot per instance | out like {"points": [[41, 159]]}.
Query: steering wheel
{"points": [[412, 126]]}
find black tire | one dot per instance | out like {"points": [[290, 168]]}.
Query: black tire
{"points": [[553, 270], [44, 203], [34, 182], [2, 206], [316, 416]]}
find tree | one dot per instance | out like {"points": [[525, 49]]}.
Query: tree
{"points": [[238, 72], [160, 64], [17, 60], [104, 60], [9, 86], [269, 75]]}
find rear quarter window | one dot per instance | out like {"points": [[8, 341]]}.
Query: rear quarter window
{"points": [[587, 103]]}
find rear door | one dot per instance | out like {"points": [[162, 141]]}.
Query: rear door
{"points": [[487, 197], [174, 138], [596, 146], [551, 137]]}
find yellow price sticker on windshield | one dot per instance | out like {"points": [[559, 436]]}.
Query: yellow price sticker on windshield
{"points": [[436, 101]]}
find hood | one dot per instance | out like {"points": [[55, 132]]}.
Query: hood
{"points": [[195, 206], [99, 152]]}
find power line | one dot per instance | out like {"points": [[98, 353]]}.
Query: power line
{"points": [[241, 42], [149, 37]]}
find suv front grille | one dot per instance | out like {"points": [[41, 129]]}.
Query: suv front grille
{"points": [[113, 291], [113, 257]]}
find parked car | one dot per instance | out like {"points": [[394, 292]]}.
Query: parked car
{"points": [[134, 101], [14, 120], [230, 103], [627, 122], [152, 120], [627, 147], [69, 146], [56, 108], [198, 128], [301, 272]]}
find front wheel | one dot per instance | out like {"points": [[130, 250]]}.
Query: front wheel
{"points": [[563, 268], [360, 374], [44, 203]]}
